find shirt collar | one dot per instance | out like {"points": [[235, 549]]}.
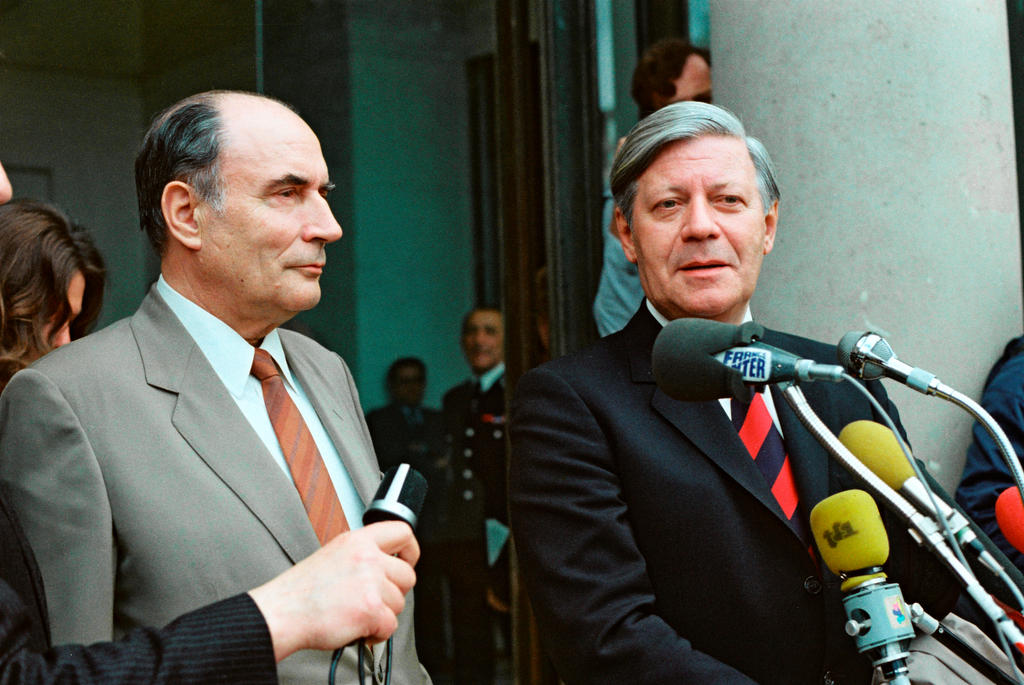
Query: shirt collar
{"points": [[491, 376], [661, 319], [229, 354]]}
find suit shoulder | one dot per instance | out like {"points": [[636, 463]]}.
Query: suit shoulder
{"points": [[456, 391], [299, 341], [804, 347], [92, 354], [596, 359]]}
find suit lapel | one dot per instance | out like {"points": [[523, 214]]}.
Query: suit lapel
{"points": [[211, 423], [704, 424], [338, 417], [707, 427], [810, 461]]}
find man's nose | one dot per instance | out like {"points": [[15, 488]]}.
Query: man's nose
{"points": [[699, 220], [322, 224]]}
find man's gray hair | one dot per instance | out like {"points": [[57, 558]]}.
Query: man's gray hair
{"points": [[678, 122]]}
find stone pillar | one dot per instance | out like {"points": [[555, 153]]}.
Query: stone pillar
{"points": [[891, 124]]}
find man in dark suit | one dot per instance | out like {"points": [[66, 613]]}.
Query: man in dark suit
{"points": [[654, 548], [238, 639], [475, 524], [405, 431]]}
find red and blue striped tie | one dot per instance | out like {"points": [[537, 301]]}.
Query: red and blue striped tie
{"points": [[764, 443]]}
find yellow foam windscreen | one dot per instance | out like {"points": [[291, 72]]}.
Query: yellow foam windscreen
{"points": [[849, 532], [877, 448]]}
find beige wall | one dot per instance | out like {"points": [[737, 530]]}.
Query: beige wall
{"points": [[891, 125]]}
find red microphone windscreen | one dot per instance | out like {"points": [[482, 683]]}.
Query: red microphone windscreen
{"points": [[1010, 517]]}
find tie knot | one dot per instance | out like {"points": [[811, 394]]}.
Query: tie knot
{"points": [[263, 366]]}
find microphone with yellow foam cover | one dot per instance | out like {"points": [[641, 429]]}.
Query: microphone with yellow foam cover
{"points": [[876, 447], [850, 536], [854, 545]]}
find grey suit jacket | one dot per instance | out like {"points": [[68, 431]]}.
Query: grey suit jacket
{"points": [[145, 493]]}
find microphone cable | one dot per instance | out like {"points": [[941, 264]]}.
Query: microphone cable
{"points": [[336, 658]]}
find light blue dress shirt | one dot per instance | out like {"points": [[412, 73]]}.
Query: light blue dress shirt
{"points": [[231, 358]]}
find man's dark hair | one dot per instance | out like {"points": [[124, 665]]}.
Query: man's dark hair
{"points": [[474, 310], [658, 68], [402, 363], [182, 144]]}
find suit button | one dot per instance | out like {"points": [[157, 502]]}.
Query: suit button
{"points": [[498, 435], [467, 452], [467, 495], [467, 474], [469, 432], [812, 585]]}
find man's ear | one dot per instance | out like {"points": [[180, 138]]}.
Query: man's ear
{"points": [[625, 234], [179, 204], [771, 222]]}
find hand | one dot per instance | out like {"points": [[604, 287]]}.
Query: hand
{"points": [[353, 587]]}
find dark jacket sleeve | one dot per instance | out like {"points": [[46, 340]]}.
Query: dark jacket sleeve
{"points": [[225, 642], [985, 473]]}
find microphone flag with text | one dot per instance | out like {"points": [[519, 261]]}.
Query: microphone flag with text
{"points": [[701, 359], [852, 541]]}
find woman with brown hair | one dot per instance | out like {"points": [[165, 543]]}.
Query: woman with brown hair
{"points": [[51, 283]]}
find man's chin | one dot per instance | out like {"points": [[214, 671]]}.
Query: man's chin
{"points": [[305, 301], [718, 310]]}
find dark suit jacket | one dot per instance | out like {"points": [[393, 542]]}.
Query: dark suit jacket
{"points": [[224, 642], [650, 545], [476, 428]]}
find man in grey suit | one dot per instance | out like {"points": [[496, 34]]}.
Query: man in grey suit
{"points": [[142, 460]]}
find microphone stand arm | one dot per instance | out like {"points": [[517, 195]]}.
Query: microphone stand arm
{"points": [[923, 529], [926, 383]]}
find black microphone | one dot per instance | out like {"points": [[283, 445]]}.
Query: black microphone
{"points": [[399, 497], [701, 359], [868, 355]]}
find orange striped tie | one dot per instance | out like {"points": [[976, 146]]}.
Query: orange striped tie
{"points": [[307, 466]]}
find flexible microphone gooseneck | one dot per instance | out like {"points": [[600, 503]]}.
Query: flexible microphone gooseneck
{"points": [[877, 448], [400, 497], [867, 355]]}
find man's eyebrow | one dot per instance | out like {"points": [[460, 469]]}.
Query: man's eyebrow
{"points": [[289, 180], [286, 180]]}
